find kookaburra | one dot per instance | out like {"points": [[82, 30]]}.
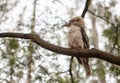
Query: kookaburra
{"points": [[77, 39]]}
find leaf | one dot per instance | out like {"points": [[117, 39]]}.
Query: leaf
{"points": [[13, 44], [12, 61], [19, 74], [115, 70]]}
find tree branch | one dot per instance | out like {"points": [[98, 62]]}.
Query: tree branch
{"points": [[86, 8], [91, 53], [101, 17]]}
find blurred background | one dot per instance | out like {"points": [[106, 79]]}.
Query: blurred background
{"points": [[22, 61]]}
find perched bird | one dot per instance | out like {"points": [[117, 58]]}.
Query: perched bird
{"points": [[77, 39]]}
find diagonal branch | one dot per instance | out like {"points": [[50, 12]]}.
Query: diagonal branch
{"points": [[91, 53], [86, 8], [101, 17]]}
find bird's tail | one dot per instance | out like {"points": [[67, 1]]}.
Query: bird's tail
{"points": [[84, 62], [86, 66]]}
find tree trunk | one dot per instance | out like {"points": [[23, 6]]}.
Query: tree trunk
{"points": [[94, 42]]}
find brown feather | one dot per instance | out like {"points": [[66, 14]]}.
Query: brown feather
{"points": [[78, 39]]}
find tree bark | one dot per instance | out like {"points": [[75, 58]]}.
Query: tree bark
{"points": [[88, 53]]}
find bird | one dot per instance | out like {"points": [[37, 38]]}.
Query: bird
{"points": [[78, 39]]}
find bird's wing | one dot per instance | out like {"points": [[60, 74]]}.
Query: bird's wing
{"points": [[85, 39]]}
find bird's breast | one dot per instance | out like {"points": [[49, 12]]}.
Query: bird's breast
{"points": [[75, 38]]}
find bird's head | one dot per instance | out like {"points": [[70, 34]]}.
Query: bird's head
{"points": [[76, 21]]}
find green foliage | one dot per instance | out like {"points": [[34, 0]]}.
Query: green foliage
{"points": [[111, 33], [19, 74], [62, 80], [12, 61], [31, 48], [43, 70], [99, 70], [13, 44], [19, 59], [38, 77], [115, 70]]}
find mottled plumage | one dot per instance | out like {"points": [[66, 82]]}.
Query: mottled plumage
{"points": [[78, 39]]}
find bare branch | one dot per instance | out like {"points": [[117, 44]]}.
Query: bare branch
{"points": [[86, 8], [89, 53], [98, 16]]}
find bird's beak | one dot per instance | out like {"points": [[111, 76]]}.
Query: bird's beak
{"points": [[66, 24]]}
